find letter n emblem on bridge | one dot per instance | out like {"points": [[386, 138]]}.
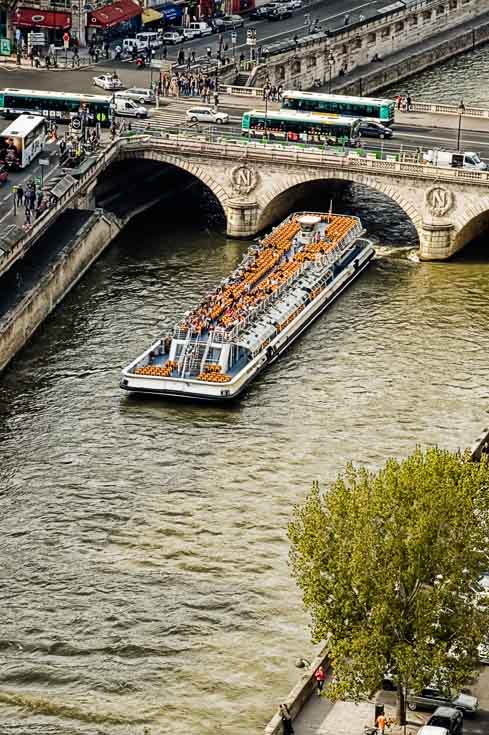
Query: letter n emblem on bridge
{"points": [[244, 179], [439, 200]]}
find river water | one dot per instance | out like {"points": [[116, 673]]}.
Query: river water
{"points": [[144, 557]]}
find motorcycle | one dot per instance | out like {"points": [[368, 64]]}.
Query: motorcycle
{"points": [[140, 62]]}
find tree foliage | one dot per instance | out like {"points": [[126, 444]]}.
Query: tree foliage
{"points": [[389, 565]]}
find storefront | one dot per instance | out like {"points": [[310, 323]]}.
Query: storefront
{"points": [[54, 22], [172, 13], [110, 16], [151, 17]]}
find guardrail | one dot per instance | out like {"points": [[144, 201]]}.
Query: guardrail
{"points": [[51, 214]]}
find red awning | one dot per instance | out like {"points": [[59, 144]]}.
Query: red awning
{"points": [[111, 15], [35, 18]]}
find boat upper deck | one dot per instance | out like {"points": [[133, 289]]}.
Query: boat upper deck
{"points": [[277, 259]]}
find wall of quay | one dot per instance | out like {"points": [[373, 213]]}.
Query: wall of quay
{"points": [[376, 80], [299, 695], [354, 46], [20, 323]]}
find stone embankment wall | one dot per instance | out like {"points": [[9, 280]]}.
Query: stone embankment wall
{"points": [[355, 46], [18, 325], [376, 80], [300, 694]]}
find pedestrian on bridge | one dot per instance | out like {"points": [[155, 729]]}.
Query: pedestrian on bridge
{"points": [[346, 20]]}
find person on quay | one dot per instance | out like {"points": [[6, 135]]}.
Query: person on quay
{"points": [[320, 676], [285, 716]]}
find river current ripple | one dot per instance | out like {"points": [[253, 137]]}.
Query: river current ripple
{"points": [[144, 575]]}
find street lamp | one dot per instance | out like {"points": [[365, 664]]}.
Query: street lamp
{"points": [[461, 110], [330, 64], [267, 92]]}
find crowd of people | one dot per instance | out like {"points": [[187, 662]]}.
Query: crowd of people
{"points": [[404, 102], [262, 272], [33, 200], [189, 84]]}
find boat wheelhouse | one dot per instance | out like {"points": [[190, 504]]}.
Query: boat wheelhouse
{"points": [[283, 283]]}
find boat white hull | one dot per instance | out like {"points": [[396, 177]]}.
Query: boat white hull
{"points": [[200, 390]]}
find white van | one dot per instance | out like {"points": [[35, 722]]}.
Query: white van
{"points": [[148, 39], [131, 44], [197, 29], [455, 159], [124, 106]]}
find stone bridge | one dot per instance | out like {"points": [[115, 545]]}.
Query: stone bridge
{"points": [[256, 185]]}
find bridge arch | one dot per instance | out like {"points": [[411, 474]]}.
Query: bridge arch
{"points": [[276, 198], [194, 169], [473, 222]]}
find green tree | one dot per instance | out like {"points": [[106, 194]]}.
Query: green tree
{"points": [[389, 565]]}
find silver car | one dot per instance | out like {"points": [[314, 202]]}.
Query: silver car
{"points": [[432, 697], [139, 94], [206, 114]]}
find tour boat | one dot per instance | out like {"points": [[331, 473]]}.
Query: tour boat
{"points": [[283, 283]]}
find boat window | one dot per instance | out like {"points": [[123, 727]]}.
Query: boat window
{"points": [[214, 354]]}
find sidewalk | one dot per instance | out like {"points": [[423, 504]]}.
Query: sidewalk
{"points": [[320, 716], [10, 62]]}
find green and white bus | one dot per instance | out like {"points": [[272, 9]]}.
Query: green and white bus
{"points": [[56, 106], [367, 108], [301, 127]]}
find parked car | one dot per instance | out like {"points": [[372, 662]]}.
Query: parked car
{"points": [[432, 697], [197, 29], [229, 21], [483, 651], [279, 12], [432, 730], [295, 4], [207, 114], [3, 173], [139, 94], [374, 130], [173, 37], [108, 81], [261, 12], [448, 717]]}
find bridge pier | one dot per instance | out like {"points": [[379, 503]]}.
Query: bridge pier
{"points": [[436, 241], [242, 217]]}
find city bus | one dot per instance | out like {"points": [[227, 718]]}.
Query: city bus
{"points": [[301, 127], [23, 140], [56, 106], [368, 108]]}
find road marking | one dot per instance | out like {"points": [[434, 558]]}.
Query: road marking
{"points": [[301, 27]]}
